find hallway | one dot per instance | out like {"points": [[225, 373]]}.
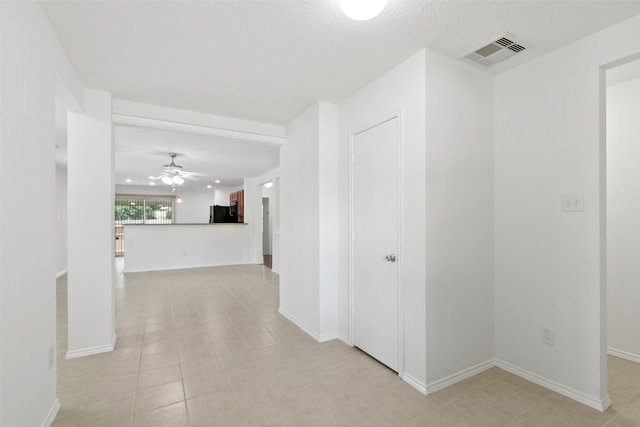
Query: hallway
{"points": [[206, 347]]}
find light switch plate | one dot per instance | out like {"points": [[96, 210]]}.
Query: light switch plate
{"points": [[572, 202]]}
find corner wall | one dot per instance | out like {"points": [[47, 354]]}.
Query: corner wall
{"points": [[307, 297], [91, 257], [459, 220], [549, 265]]}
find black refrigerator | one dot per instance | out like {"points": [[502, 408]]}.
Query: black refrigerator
{"points": [[220, 214]]}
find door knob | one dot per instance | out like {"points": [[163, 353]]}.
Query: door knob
{"points": [[390, 258]]}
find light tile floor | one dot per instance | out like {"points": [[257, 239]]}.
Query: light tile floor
{"points": [[206, 347]]}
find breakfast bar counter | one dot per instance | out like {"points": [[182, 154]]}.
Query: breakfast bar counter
{"points": [[173, 246]]}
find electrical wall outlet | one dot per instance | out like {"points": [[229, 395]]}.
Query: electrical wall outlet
{"points": [[547, 336]]}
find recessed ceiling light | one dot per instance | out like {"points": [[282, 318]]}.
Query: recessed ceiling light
{"points": [[209, 186], [152, 183], [217, 181], [127, 180], [151, 177], [268, 184]]}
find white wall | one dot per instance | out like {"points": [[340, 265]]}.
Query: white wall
{"points": [[328, 237], [459, 219], [166, 247], [400, 90], [623, 219], [195, 205], [31, 65], [299, 222], [548, 272], [61, 220], [221, 197], [90, 281]]}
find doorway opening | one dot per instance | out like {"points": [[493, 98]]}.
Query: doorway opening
{"points": [[622, 226], [267, 220], [266, 234]]}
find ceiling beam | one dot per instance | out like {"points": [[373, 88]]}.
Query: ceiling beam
{"points": [[138, 114]]}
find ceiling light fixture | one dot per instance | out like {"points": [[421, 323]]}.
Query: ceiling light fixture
{"points": [[127, 180], [172, 180], [268, 184], [152, 183], [362, 10], [209, 186], [217, 181]]}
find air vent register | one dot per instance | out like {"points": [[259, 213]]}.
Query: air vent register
{"points": [[497, 51]]}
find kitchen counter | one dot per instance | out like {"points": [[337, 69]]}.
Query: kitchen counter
{"points": [[190, 223], [173, 246]]}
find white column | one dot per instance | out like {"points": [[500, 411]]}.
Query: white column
{"points": [[91, 191]]}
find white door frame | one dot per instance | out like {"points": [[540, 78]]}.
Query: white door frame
{"points": [[379, 121]]}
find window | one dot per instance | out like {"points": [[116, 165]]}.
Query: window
{"points": [[140, 209]]}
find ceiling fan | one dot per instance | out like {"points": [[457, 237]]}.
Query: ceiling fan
{"points": [[173, 174]]}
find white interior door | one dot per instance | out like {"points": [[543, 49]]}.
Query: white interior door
{"points": [[375, 242]]}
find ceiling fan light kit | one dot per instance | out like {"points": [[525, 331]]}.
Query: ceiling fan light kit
{"points": [[173, 174]]}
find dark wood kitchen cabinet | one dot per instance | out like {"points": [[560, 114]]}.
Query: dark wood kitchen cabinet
{"points": [[236, 200]]}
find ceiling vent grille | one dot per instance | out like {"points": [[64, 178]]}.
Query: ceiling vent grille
{"points": [[496, 51]]}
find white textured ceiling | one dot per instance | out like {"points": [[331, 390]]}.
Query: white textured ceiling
{"points": [[268, 60], [142, 152]]}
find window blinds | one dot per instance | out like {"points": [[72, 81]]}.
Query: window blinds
{"points": [[143, 209]]}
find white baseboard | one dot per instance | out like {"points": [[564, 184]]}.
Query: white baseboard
{"points": [[61, 273], [181, 267], [345, 339], [82, 352], [52, 414], [600, 405], [313, 334], [415, 383], [623, 355], [328, 337], [459, 376]]}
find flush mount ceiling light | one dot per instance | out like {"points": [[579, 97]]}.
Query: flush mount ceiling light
{"points": [[362, 10], [268, 184]]}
